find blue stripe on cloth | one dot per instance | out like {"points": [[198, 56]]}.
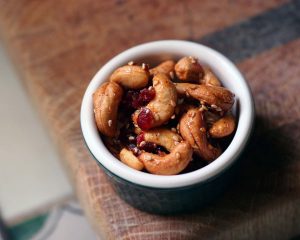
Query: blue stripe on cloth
{"points": [[257, 34]]}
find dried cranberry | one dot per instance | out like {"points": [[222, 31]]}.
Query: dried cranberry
{"points": [[136, 103], [145, 119], [140, 138], [146, 95], [131, 98], [148, 146]]}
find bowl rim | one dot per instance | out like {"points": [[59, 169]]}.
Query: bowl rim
{"points": [[178, 47]]}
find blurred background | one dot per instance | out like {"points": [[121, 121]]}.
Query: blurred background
{"points": [[36, 198]]}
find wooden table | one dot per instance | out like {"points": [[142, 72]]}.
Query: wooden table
{"points": [[58, 46]]}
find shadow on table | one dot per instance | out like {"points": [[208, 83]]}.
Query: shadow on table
{"points": [[266, 178]]}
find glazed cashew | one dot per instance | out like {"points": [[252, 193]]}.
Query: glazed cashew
{"points": [[188, 69], [163, 137], [131, 76], [192, 128], [165, 67], [217, 97], [163, 105], [210, 78], [106, 101], [223, 127], [127, 157], [170, 164]]}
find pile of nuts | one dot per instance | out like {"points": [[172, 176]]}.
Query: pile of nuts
{"points": [[170, 119]]}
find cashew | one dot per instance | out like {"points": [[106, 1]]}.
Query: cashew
{"points": [[165, 67], [192, 128], [218, 97], [163, 105], [163, 137], [131, 76], [170, 164], [210, 78], [127, 157], [106, 101], [188, 69], [223, 127]]}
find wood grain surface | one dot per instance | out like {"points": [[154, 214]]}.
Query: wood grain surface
{"points": [[58, 46]]}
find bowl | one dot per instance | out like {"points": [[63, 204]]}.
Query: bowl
{"points": [[183, 192]]}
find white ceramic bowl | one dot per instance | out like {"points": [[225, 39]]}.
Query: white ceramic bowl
{"points": [[153, 52]]}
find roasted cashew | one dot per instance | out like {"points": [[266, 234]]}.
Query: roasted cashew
{"points": [[210, 78], [131, 76], [223, 127], [127, 157], [163, 137], [170, 164], [165, 67], [217, 97], [188, 69], [106, 101], [163, 105], [192, 128]]}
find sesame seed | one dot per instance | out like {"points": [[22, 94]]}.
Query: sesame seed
{"points": [[173, 129], [173, 116], [135, 150], [150, 88], [109, 123], [203, 108], [148, 158], [193, 59], [131, 138], [145, 66], [173, 104], [176, 143], [177, 155], [214, 106], [131, 63], [142, 143], [202, 129]]}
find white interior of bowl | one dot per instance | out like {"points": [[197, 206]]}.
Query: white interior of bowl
{"points": [[151, 52]]}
